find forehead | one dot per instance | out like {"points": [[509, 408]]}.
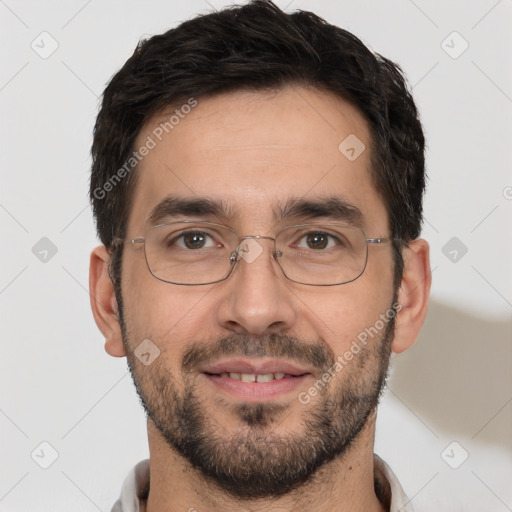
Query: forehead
{"points": [[255, 152]]}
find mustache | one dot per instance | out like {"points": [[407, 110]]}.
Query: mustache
{"points": [[317, 354]]}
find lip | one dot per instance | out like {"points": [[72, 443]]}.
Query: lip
{"points": [[257, 391], [295, 378], [257, 366]]}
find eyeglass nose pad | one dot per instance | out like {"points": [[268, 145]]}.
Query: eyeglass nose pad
{"points": [[238, 253]]}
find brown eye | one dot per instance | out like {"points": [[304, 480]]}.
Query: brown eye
{"points": [[194, 240], [317, 240]]}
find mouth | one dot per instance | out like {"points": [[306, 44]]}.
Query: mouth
{"points": [[255, 379]]}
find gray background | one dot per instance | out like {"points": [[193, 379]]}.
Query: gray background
{"points": [[59, 386]]}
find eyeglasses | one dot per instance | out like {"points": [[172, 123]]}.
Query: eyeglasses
{"points": [[191, 253]]}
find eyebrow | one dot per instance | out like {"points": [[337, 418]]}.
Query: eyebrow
{"points": [[331, 208], [195, 206]]}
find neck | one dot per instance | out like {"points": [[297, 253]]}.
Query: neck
{"points": [[346, 484]]}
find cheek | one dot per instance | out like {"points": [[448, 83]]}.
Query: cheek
{"points": [[171, 316], [341, 320], [340, 315]]}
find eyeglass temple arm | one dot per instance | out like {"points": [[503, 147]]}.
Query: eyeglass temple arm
{"points": [[140, 240], [379, 240], [119, 241]]}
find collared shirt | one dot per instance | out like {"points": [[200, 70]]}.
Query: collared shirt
{"points": [[387, 488]]}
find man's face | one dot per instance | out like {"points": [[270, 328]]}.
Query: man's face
{"points": [[256, 155]]}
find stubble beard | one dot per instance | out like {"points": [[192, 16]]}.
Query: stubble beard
{"points": [[254, 461]]}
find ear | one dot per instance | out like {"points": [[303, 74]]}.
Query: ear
{"points": [[413, 295], [104, 303]]}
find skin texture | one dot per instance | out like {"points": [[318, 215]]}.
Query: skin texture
{"points": [[255, 151]]}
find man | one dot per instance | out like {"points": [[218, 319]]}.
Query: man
{"points": [[257, 185]]}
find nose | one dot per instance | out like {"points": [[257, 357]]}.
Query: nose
{"points": [[257, 296]]}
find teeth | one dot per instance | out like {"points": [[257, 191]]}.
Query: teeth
{"points": [[265, 378], [250, 377]]}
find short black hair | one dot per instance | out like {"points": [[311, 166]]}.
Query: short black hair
{"points": [[257, 46]]}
